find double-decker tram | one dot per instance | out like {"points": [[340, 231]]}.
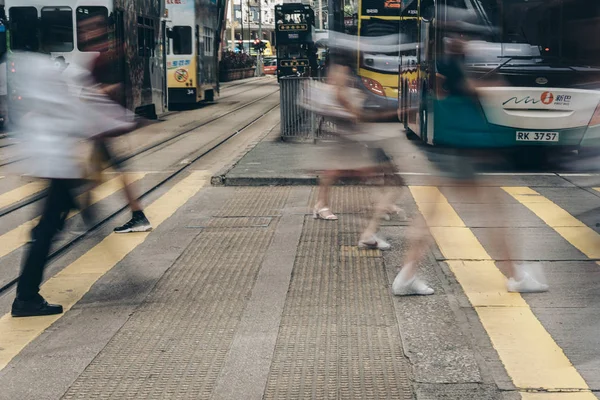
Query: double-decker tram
{"points": [[194, 32], [135, 32], [295, 38], [534, 64], [380, 25]]}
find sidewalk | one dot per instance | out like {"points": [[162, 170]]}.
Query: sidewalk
{"points": [[242, 295], [275, 162]]}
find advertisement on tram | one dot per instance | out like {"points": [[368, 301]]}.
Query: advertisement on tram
{"points": [[194, 31], [534, 72]]}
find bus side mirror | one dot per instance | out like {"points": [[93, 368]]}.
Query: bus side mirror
{"points": [[169, 33]]}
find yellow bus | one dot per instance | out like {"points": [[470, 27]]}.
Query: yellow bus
{"points": [[383, 22]]}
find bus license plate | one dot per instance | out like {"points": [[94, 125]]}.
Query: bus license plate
{"points": [[523, 136]]}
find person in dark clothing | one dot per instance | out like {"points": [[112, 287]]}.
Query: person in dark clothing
{"points": [[55, 124]]}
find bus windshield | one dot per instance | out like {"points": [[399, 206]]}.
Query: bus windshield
{"points": [[555, 31]]}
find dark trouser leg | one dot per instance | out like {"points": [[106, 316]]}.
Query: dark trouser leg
{"points": [[59, 200]]}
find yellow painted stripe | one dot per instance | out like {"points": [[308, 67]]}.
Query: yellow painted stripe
{"points": [[21, 193], [12, 240], [72, 283], [558, 396], [530, 356], [570, 228]]}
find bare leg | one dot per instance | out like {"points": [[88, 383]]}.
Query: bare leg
{"points": [[321, 209], [133, 201]]}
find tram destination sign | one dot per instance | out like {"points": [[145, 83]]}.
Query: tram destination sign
{"points": [[389, 8]]}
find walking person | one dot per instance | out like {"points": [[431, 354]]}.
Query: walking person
{"points": [[355, 152], [55, 130], [103, 80], [458, 166]]}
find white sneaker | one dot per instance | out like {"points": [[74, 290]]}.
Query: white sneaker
{"points": [[374, 242], [395, 211], [527, 284], [529, 278], [413, 286]]}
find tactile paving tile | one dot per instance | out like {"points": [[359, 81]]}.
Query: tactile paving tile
{"points": [[248, 202], [349, 199], [239, 222], [175, 345], [339, 336]]}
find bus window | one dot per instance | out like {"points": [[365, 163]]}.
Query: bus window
{"points": [[92, 26], [23, 28], [182, 40], [57, 29]]}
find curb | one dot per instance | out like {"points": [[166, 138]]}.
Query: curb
{"points": [[220, 178], [225, 180]]}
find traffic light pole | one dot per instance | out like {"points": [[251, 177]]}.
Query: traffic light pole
{"points": [[259, 61]]}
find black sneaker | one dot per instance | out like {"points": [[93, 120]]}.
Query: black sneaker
{"points": [[34, 308], [137, 223]]}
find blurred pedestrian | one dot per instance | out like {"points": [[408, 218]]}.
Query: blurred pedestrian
{"points": [[458, 166], [356, 151], [103, 81], [55, 125]]}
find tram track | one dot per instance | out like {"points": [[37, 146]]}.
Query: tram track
{"points": [[201, 152], [18, 159], [162, 142]]}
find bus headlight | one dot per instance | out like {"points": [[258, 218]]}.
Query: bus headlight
{"points": [[373, 86]]}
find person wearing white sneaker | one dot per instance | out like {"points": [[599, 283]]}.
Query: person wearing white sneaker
{"points": [[373, 242], [407, 283], [525, 280]]}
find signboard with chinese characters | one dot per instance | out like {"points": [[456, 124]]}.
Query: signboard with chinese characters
{"points": [[389, 8]]}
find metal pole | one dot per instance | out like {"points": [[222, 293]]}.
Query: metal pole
{"points": [[242, 23], [233, 23], [259, 60], [320, 14]]}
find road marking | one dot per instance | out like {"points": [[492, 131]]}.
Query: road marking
{"points": [[21, 193], [493, 174], [558, 396], [530, 356], [570, 228], [72, 283], [12, 240]]}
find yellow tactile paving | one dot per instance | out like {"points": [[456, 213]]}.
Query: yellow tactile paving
{"points": [[530, 356], [20, 193], [12, 240], [570, 228], [72, 283]]}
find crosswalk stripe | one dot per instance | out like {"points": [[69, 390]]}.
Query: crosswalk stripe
{"points": [[530, 356], [72, 283], [585, 395], [20, 193], [570, 228], [12, 240]]}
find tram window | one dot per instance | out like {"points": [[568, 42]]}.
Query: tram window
{"points": [[92, 28], [24, 28], [57, 29], [208, 41], [182, 40], [146, 40]]}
